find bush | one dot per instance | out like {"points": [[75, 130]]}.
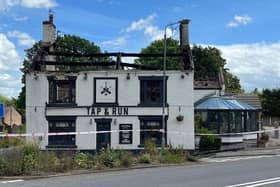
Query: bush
{"points": [[144, 158], [12, 160], [3, 166], [210, 142], [7, 142], [126, 159], [66, 161], [31, 155], [150, 147], [84, 160], [108, 158], [49, 162]]}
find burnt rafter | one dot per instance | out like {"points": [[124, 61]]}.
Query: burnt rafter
{"points": [[102, 64], [115, 54]]}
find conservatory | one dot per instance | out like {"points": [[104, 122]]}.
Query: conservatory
{"points": [[228, 117]]}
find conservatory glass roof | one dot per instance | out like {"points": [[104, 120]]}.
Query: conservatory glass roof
{"points": [[222, 103]]}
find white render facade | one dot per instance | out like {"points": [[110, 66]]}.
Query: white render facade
{"points": [[90, 109]]}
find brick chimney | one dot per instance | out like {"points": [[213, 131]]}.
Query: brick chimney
{"points": [[49, 30], [185, 45]]}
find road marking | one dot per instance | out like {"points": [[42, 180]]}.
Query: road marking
{"points": [[257, 183], [12, 181], [236, 158]]}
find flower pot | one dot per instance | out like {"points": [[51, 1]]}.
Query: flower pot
{"points": [[180, 118]]}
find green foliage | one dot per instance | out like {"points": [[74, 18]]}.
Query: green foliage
{"points": [[12, 160], [172, 155], [157, 46], [232, 83], [30, 158], [144, 158], [126, 159], [150, 147], [270, 100], [207, 62], [10, 142], [49, 162], [84, 160], [209, 142], [6, 100], [108, 157]]}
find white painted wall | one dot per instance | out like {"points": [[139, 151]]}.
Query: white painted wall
{"points": [[179, 93]]}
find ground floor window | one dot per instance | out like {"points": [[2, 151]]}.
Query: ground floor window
{"points": [[150, 129], [62, 125]]}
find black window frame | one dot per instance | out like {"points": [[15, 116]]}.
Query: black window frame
{"points": [[53, 85], [144, 95], [145, 134], [68, 141]]}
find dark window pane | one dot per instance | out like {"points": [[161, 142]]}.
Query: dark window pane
{"points": [[62, 91], [150, 130], [62, 126], [151, 92]]}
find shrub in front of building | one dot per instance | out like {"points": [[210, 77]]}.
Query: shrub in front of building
{"points": [[210, 142], [84, 160], [7, 142]]}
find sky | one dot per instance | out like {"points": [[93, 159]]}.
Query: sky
{"points": [[246, 31]]}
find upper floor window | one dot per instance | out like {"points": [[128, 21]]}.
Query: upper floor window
{"points": [[151, 91], [62, 91]]}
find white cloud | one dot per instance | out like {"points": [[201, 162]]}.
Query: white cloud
{"points": [[9, 58], [6, 4], [239, 20], [150, 30], [24, 18], [24, 39], [257, 65], [9, 67], [116, 43]]}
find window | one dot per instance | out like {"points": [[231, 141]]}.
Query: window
{"points": [[62, 91], [150, 129], [151, 91], [62, 125]]}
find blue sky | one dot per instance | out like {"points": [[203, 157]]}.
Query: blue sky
{"points": [[246, 31]]}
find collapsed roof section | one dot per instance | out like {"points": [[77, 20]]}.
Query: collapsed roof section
{"points": [[46, 58]]}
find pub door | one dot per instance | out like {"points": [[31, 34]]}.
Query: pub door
{"points": [[103, 140]]}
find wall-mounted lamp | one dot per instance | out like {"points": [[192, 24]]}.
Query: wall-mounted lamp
{"points": [[182, 76], [36, 77], [128, 76], [115, 121], [90, 121], [85, 76]]}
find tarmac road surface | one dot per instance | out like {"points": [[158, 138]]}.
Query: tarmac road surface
{"points": [[262, 171]]}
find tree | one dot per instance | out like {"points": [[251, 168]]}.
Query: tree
{"points": [[65, 44], [207, 61], [157, 46], [6, 101], [232, 83], [270, 100]]}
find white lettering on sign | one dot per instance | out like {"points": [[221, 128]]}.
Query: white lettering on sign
{"points": [[107, 111]]}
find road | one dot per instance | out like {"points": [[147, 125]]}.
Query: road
{"points": [[215, 174]]}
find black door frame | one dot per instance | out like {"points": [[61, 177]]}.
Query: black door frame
{"points": [[106, 122]]}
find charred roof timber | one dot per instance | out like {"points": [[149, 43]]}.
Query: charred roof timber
{"points": [[47, 55]]}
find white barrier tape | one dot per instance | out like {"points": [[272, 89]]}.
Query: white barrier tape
{"points": [[238, 133], [33, 134]]}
